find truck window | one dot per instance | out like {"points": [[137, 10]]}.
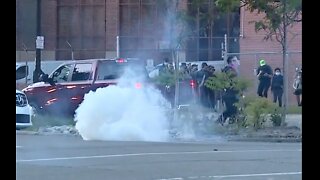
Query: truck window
{"points": [[62, 74], [82, 72], [21, 72], [108, 70]]}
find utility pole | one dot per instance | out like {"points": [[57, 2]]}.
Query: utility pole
{"points": [[39, 42], [118, 46], [285, 63]]}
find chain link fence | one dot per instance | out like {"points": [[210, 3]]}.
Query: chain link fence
{"points": [[249, 62]]}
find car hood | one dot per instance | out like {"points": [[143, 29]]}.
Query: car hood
{"points": [[18, 91]]}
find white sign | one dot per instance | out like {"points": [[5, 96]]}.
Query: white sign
{"points": [[40, 42]]}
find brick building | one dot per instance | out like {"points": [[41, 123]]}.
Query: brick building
{"points": [[146, 29], [253, 47]]}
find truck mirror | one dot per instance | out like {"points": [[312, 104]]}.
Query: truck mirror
{"points": [[51, 82], [45, 78]]}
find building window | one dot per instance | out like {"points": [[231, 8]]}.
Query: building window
{"points": [[210, 27], [82, 25], [138, 27]]}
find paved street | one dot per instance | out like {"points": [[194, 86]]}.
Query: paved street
{"points": [[53, 157]]}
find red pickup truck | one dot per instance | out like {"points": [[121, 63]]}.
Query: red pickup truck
{"points": [[63, 90]]}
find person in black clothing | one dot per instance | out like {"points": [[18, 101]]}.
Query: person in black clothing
{"points": [[277, 86], [264, 74], [230, 95], [202, 76], [165, 66]]}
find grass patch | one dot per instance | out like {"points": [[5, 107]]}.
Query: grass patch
{"points": [[49, 121], [294, 110]]}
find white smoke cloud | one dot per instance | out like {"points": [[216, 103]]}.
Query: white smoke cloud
{"points": [[124, 112]]}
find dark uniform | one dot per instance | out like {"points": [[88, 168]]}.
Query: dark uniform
{"points": [[264, 80], [230, 97], [277, 88]]}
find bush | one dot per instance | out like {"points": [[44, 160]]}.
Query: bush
{"points": [[276, 118], [257, 112], [223, 81], [166, 78]]}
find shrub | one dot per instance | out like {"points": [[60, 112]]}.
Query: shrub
{"points": [[257, 112], [166, 78], [276, 117], [223, 81]]}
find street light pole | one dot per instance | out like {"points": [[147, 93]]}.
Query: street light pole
{"points": [[37, 70]]}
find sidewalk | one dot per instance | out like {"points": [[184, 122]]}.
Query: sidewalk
{"points": [[292, 132], [294, 120]]}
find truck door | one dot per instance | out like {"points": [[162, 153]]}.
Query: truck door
{"points": [[56, 97], [80, 84]]}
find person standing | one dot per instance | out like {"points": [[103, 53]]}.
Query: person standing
{"points": [[165, 66], [230, 94], [264, 74], [297, 86], [277, 86], [202, 76]]}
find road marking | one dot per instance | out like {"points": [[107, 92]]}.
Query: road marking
{"points": [[18, 146], [147, 154], [237, 175]]}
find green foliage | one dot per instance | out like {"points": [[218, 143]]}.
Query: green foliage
{"points": [[242, 84], [227, 5], [257, 112], [245, 101], [49, 121], [218, 82], [274, 13], [276, 117], [223, 81], [294, 109], [166, 78]]}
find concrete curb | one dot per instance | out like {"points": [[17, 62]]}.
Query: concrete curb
{"points": [[43, 133], [265, 139], [27, 132]]}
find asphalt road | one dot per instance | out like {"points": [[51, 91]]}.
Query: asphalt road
{"points": [[59, 157]]}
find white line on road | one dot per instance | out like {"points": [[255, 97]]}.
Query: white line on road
{"points": [[146, 154], [237, 175], [18, 146]]}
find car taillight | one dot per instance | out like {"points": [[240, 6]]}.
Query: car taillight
{"points": [[193, 83], [138, 85], [121, 60]]}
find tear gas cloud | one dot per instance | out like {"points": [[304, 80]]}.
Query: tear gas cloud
{"points": [[124, 112]]}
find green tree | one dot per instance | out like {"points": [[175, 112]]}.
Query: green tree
{"points": [[278, 16]]}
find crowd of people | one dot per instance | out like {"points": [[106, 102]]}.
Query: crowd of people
{"points": [[268, 79], [230, 96], [191, 81]]}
